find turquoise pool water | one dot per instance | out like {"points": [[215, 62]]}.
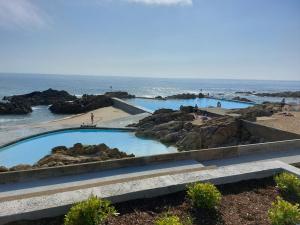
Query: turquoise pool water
{"points": [[175, 104], [31, 150]]}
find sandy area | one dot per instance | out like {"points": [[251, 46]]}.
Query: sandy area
{"points": [[279, 121], [100, 115], [12, 133]]}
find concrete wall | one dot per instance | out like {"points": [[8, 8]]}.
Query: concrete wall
{"points": [[200, 155], [126, 107], [268, 133]]}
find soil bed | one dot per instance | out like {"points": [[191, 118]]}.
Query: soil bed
{"points": [[245, 202]]}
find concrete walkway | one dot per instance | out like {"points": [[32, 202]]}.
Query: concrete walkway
{"points": [[27, 201], [54, 196]]}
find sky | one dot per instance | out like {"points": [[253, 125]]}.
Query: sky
{"points": [[237, 39]]}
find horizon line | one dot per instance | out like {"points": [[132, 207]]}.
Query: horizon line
{"points": [[134, 76]]}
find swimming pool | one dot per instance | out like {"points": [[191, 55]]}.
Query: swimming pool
{"points": [[29, 151], [154, 104]]}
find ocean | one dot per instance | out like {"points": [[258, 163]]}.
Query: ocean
{"points": [[12, 84]]}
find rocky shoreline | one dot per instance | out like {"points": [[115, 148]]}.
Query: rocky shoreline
{"points": [[61, 102], [284, 94], [79, 153], [81, 105], [21, 104]]}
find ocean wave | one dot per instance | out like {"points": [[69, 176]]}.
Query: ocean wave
{"points": [[38, 107]]}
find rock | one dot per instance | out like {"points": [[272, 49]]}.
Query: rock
{"points": [[241, 99], [119, 94], [163, 116], [186, 96], [171, 138], [160, 98], [160, 111], [175, 128], [59, 149], [285, 94], [245, 92], [20, 167], [79, 153], [47, 97], [191, 141], [3, 169], [17, 107], [187, 109], [82, 105], [251, 113]]}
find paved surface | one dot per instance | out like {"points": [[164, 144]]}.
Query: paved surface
{"points": [[124, 122], [16, 189]]}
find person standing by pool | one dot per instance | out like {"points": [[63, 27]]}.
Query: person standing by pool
{"points": [[92, 118], [282, 104]]}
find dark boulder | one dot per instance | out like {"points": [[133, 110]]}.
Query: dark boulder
{"points": [[241, 99], [47, 97], [119, 94], [79, 153], [164, 116], [82, 105], [186, 96], [245, 92], [17, 107], [160, 97], [285, 94], [3, 169]]}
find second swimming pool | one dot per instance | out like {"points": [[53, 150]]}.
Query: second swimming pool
{"points": [[29, 151], [154, 104]]}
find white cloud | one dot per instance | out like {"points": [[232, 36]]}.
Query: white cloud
{"points": [[163, 2], [22, 14]]}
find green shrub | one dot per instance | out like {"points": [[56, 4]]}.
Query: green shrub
{"points": [[288, 183], [93, 211], [284, 213], [204, 195], [168, 220]]}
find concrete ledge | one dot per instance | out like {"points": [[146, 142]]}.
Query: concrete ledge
{"points": [[199, 155], [129, 108], [59, 203], [269, 147]]}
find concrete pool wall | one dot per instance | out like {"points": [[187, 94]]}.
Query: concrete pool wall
{"points": [[199, 155]]}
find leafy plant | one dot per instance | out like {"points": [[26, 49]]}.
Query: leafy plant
{"points": [[93, 211], [288, 183], [168, 220], [204, 195], [284, 213]]}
